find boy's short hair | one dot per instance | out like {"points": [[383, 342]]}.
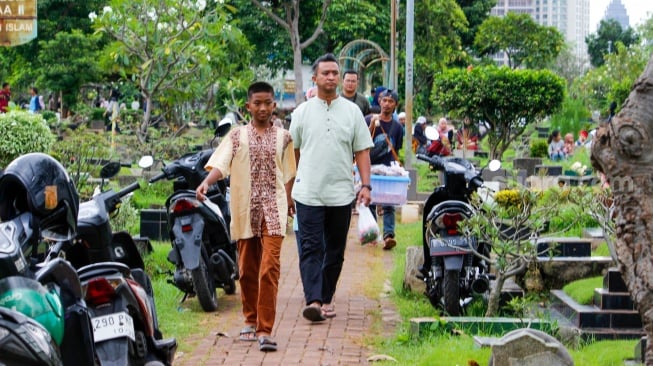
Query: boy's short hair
{"points": [[259, 87], [329, 57]]}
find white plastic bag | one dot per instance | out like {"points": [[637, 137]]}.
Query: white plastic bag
{"points": [[368, 229]]}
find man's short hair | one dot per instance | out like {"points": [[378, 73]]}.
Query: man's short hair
{"points": [[329, 57], [349, 71], [259, 87]]}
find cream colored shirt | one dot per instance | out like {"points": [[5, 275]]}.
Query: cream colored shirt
{"points": [[259, 166], [327, 137]]}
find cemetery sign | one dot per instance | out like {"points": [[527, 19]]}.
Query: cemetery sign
{"points": [[17, 22]]}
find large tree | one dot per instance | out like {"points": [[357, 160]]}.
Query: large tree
{"points": [[521, 38], [438, 24], [605, 40], [623, 151], [507, 100], [72, 59], [174, 51], [21, 65], [287, 14], [476, 11]]}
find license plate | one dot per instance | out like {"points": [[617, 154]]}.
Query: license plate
{"points": [[112, 326], [455, 243]]}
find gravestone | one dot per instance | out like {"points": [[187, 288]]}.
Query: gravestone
{"points": [[550, 170], [527, 164], [529, 347], [414, 260]]}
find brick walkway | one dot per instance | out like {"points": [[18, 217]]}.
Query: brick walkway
{"points": [[338, 341]]}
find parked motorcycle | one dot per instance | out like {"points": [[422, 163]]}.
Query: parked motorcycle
{"points": [[451, 271], [118, 292], [38, 205], [203, 253]]}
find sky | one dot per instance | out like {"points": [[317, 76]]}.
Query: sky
{"points": [[637, 11]]}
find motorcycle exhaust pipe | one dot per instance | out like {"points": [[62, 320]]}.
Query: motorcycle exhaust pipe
{"points": [[220, 266], [480, 285]]}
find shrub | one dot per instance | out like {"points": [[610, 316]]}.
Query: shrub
{"points": [[508, 198], [98, 114], [49, 116], [539, 149], [23, 133]]}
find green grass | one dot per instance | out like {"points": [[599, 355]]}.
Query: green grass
{"points": [[443, 348], [180, 320], [582, 291]]}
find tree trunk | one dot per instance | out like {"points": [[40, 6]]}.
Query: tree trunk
{"points": [[495, 295], [623, 151], [147, 115]]}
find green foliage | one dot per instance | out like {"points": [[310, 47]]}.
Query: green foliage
{"points": [[572, 117], [127, 218], [80, 153], [152, 195], [508, 100], [49, 116], [98, 114], [605, 40], [71, 60], [521, 38], [612, 81], [539, 148], [174, 57], [23, 133]]}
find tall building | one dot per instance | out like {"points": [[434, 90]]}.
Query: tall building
{"points": [[617, 11], [570, 17]]}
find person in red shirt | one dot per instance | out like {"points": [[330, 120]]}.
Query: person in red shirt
{"points": [[5, 96]]}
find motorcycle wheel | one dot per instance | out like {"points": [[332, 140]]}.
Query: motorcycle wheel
{"points": [[204, 287], [451, 292]]}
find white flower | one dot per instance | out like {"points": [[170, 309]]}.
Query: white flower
{"points": [[106, 10], [92, 16]]}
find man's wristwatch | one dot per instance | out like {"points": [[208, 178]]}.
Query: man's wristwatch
{"points": [[369, 187]]}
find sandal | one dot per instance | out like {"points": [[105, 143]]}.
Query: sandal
{"points": [[267, 344], [313, 313], [248, 334], [329, 311]]}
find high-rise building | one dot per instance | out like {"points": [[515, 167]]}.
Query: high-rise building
{"points": [[617, 11], [570, 17]]}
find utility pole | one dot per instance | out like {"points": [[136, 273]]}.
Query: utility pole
{"points": [[393, 45]]}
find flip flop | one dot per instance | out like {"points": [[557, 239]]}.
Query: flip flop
{"points": [[329, 311], [267, 344], [248, 334], [313, 313]]}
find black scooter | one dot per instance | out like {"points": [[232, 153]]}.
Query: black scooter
{"points": [[117, 290], [451, 271], [22, 263], [203, 253]]}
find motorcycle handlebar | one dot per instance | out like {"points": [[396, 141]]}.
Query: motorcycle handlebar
{"points": [[434, 160], [129, 189], [157, 177]]}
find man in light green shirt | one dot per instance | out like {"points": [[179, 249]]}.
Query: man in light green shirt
{"points": [[327, 131]]}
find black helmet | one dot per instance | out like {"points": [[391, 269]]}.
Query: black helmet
{"points": [[39, 184]]}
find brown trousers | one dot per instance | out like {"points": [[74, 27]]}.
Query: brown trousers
{"points": [[260, 267]]}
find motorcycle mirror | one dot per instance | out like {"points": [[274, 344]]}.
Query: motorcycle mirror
{"points": [[110, 170], [431, 133], [146, 161], [494, 165], [223, 127]]}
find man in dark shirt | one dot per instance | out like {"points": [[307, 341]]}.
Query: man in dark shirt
{"points": [[384, 123], [349, 91]]}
